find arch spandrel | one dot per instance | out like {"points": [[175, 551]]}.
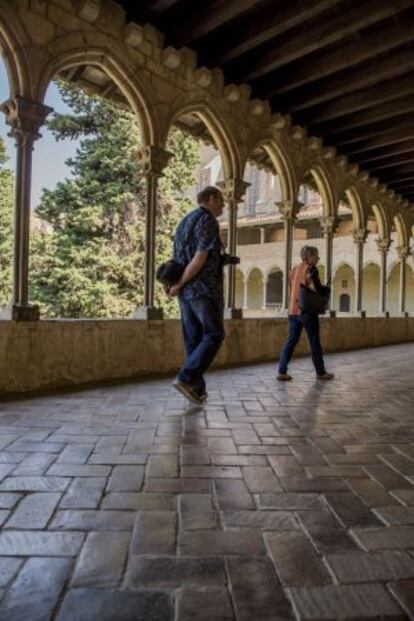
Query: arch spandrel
{"points": [[134, 86], [219, 130], [341, 265]]}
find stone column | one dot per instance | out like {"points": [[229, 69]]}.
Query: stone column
{"points": [[359, 237], [245, 294], [403, 252], [154, 160], [262, 234], [383, 247], [328, 225], [25, 118], [288, 210], [264, 293], [233, 191]]}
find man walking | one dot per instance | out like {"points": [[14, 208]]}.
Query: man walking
{"points": [[197, 246]]}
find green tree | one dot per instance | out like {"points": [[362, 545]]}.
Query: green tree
{"points": [[89, 260], [6, 227]]}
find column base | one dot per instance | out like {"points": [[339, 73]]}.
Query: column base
{"points": [[330, 313], [25, 312], [360, 313], [383, 314], [233, 313], [403, 314], [148, 313]]}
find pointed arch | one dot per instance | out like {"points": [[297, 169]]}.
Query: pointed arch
{"points": [[358, 213], [325, 187], [381, 220], [13, 40]]}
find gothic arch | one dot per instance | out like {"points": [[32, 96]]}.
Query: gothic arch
{"points": [[403, 235], [382, 221], [358, 213], [13, 40], [325, 188]]}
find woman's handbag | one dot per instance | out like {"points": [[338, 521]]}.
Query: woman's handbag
{"points": [[310, 301]]}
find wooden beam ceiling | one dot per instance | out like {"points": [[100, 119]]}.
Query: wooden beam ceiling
{"points": [[343, 69]]}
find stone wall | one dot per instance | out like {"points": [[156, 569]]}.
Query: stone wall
{"points": [[48, 354]]}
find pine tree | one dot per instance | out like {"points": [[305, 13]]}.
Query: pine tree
{"points": [[6, 227], [90, 261]]}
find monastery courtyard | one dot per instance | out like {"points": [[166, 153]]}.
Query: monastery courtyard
{"points": [[275, 501]]}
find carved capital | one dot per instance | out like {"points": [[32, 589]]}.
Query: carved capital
{"points": [[359, 236], [233, 190], [403, 251], [289, 209], [383, 244], [328, 224], [153, 159], [25, 117]]}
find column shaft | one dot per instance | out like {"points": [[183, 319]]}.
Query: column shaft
{"points": [[231, 281], [359, 237], [150, 231], [288, 239], [403, 281], [383, 281]]}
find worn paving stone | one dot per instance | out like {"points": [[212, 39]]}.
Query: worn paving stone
{"points": [[370, 492], [84, 493], [197, 512], [35, 592], [233, 494], [260, 520], [8, 569], [303, 484], [356, 602], [154, 533], [139, 501], [40, 543], [261, 479], [193, 604], [395, 514], [221, 543], [102, 559], [115, 459], [325, 533], [34, 464], [34, 511], [92, 520], [403, 591], [295, 559], [406, 496], [126, 479], [351, 511], [179, 486], [107, 605], [387, 477], [393, 537], [289, 501], [371, 566], [76, 470], [34, 484], [256, 590], [171, 572]]}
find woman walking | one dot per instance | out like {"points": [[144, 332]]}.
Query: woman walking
{"points": [[304, 274]]}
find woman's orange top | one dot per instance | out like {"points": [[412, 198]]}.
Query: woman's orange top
{"points": [[299, 275]]}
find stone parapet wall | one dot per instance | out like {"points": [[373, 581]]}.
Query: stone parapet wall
{"points": [[54, 354]]}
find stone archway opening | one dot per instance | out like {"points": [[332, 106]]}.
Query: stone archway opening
{"points": [[274, 290], [371, 290], [255, 297], [344, 288]]}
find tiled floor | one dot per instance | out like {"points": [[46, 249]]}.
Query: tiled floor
{"points": [[275, 501]]}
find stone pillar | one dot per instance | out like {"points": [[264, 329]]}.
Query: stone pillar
{"points": [[154, 160], [359, 237], [245, 294], [262, 234], [264, 293], [288, 210], [25, 118], [403, 252], [233, 191], [328, 225], [383, 247]]}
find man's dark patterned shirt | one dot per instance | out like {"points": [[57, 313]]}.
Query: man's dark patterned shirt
{"points": [[199, 230]]}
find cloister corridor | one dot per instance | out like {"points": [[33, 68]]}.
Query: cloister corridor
{"points": [[274, 501]]}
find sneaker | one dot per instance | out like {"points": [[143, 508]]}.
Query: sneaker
{"points": [[325, 376], [284, 377], [188, 392]]}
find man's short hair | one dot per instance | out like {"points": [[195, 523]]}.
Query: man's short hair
{"points": [[204, 195], [307, 252]]}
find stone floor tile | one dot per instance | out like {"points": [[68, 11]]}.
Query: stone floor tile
{"points": [[265, 450], [336, 471], [36, 447], [285, 465], [211, 472], [110, 605], [395, 514], [325, 533], [116, 459], [197, 512], [387, 477], [139, 501], [126, 479], [198, 605], [403, 591], [72, 519], [303, 484], [370, 492], [75, 470], [154, 533], [393, 537], [256, 590], [172, 572], [406, 496], [40, 543], [179, 486], [351, 511], [233, 494], [34, 464], [195, 456], [6, 469], [337, 602], [295, 559], [371, 566], [8, 569], [83, 493], [34, 484], [221, 543], [35, 592], [162, 466], [102, 559], [34, 511], [260, 520], [75, 454], [289, 501], [238, 460], [261, 479]]}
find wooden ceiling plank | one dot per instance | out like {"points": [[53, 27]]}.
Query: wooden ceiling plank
{"points": [[403, 122], [397, 162], [326, 32], [383, 140], [387, 152]]}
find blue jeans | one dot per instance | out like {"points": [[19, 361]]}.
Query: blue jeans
{"points": [[309, 321], [203, 332]]}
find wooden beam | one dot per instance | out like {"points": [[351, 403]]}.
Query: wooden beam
{"points": [[316, 36], [387, 152], [403, 122], [374, 43], [401, 170], [360, 100], [381, 112], [207, 18], [403, 179], [383, 140], [252, 32], [395, 162]]}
